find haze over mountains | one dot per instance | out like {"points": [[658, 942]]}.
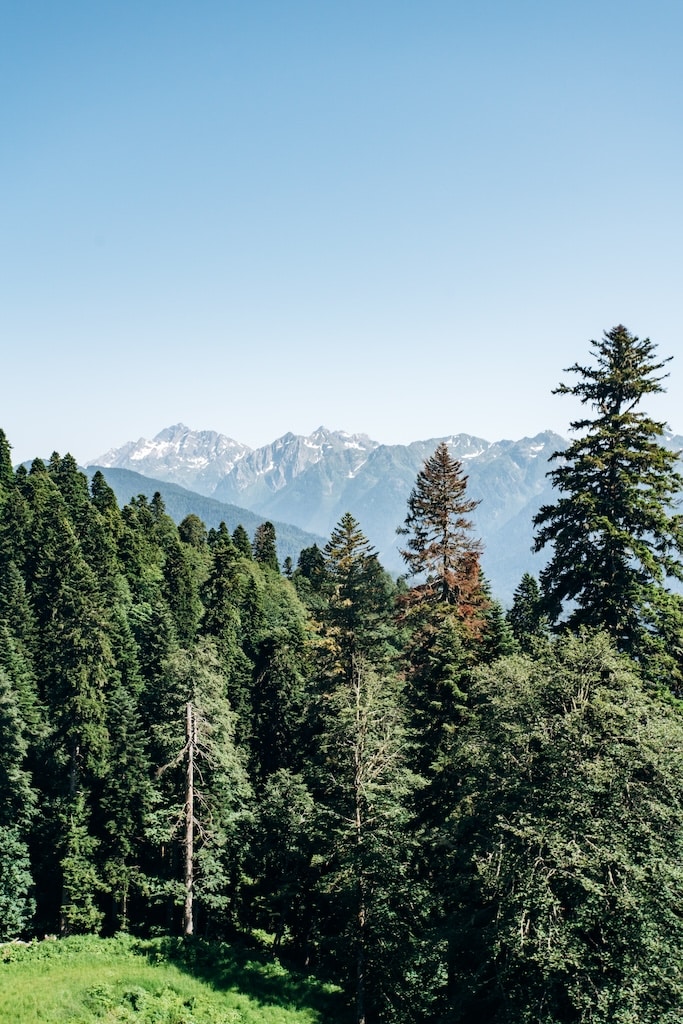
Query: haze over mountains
{"points": [[312, 481]]}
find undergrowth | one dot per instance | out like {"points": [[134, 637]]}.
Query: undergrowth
{"points": [[86, 980]]}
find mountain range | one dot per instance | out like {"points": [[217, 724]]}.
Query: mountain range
{"points": [[308, 483]]}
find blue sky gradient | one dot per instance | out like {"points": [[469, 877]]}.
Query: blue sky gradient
{"points": [[397, 218]]}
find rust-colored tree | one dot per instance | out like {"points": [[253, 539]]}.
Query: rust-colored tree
{"points": [[441, 552]]}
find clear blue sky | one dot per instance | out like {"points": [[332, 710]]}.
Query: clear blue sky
{"points": [[399, 218]]}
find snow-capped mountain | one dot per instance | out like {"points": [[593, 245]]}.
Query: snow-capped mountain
{"points": [[197, 459], [273, 468]]}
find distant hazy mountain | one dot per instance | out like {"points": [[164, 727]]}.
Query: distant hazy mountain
{"points": [[311, 481]]}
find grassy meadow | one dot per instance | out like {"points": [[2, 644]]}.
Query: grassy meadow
{"points": [[86, 980]]}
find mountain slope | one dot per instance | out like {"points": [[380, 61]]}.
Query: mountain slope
{"points": [[180, 502]]}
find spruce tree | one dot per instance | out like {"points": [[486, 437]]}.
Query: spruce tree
{"points": [[445, 611], [616, 536]]}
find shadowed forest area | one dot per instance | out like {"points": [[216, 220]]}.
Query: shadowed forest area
{"points": [[445, 810]]}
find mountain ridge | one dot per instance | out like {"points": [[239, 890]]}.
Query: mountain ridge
{"points": [[311, 481]]}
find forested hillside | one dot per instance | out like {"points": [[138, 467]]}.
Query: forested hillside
{"points": [[455, 814]]}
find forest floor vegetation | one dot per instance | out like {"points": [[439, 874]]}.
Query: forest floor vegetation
{"points": [[88, 980]]}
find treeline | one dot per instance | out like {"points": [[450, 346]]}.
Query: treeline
{"points": [[457, 814]]}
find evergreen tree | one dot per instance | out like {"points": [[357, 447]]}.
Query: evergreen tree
{"points": [[445, 612], [17, 810], [282, 856], [309, 577], [265, 548], [526, 617], [497, 639], [75, 670], [364, 792], [15, 519], [240, 539], [223, 623], [440, 549], [193, 532], [279, 653], [126, 793], [6, 471], [615, 535], [359, 594], [205, 805], [362, 783]]}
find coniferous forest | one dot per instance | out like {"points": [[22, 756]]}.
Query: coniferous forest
{"points": [[456, 812]]}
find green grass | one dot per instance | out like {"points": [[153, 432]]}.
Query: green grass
{"points": [[86, 980]]}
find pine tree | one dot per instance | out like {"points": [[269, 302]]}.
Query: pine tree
{"points": [[616, 537]]}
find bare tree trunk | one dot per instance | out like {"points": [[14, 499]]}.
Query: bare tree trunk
{"points": [[358, 799], [188, 923], [360, 954]]}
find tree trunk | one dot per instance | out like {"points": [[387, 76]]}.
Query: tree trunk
{"points": [[188, 923], [359, 766]]}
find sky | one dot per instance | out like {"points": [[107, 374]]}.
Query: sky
{"points": [[399, 218]]}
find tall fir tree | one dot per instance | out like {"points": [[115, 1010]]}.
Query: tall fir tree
{"points": [[614, 530], [445, 610]]}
